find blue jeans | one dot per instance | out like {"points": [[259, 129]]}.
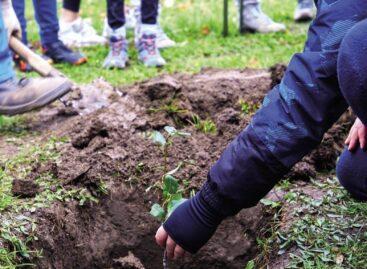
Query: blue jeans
{"points": [[6, 63], [46, 17]]}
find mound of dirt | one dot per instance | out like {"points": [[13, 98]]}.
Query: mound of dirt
{"points": [[25, 188], [110, 145]]}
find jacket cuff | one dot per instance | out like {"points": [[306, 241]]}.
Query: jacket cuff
{"points": [[193, 223]]}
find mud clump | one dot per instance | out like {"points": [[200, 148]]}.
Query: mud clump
{"points": [[110, 147], [128, 262], [277, 72], [25, 188]]}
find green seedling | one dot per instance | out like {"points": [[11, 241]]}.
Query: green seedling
{"points": [[172, 193], [205, 126]]}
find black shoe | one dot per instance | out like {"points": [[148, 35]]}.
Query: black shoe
{"points": [[59, 53]]}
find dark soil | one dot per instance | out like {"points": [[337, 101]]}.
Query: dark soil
{"points": [[108, 145], [25, 188]]}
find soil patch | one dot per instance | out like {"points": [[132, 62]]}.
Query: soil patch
{"points": [[25, 188], [109, 146]]}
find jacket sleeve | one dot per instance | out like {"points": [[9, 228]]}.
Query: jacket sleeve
{"points": [[291, 122]]}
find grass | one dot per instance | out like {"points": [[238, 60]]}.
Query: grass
{"points": [[17, 230], [197, 27], [329, 231]]}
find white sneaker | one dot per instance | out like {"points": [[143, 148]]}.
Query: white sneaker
{"points": [[255, 20], [79, 33], [163, 41], [69, 33], [89, 35]]}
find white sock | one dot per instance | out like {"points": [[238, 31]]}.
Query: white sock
{"points": [[148, 28], [119, 32]]}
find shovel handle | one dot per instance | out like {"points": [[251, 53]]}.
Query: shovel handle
{"points": [[40, 65]]}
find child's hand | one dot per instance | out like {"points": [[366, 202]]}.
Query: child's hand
{"points": [[174, 251], [357, 134]]}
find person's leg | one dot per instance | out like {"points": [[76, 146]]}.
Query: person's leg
{"points": [[115, 14], [76, 31], [292, 121], [19, 8], [70, 10], [46, 16], [147, 35], [149, 11], [6, 68], [352, 173], [117, 56], [352, 69]]}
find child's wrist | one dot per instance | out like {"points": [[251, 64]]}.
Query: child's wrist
{"points": [[192, 224]]}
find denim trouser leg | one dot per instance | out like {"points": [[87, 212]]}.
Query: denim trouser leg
{"points": [[48, 22], [19, 8], [6, 63]]}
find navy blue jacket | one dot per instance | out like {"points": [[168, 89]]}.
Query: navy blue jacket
{"points": [[292, 121]]}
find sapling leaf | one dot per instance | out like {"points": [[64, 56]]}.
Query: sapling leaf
{"points": [[172, 131], [173, 204], [170, 184], [174, 171], [157, 211], [158, 138]]}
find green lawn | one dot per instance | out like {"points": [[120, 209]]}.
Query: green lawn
{"points": [[197, 27]]}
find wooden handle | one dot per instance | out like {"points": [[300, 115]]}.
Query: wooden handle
{"points": [[39, 64]]}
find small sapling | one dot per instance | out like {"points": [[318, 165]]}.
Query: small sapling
{"points": [[172, 193]]}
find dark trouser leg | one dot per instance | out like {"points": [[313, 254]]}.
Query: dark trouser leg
{"points": [[149, 11], [115, 13], [352, 73], [19, 8], [46, 16], [295, 114], [72, 5], [294, 117], [352, 173], [352, 69]]}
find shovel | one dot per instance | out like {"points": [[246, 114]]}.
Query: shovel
{"points": [[40, 65]]}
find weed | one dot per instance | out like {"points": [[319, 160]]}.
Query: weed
{"points": [[172, 110], [12, 126], [205, 126], [248, 108]]}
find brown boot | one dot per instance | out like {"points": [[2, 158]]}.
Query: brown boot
{"points": [[20, 96]]}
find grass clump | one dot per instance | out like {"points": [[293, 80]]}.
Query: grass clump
{"points": [[205, 126]]}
